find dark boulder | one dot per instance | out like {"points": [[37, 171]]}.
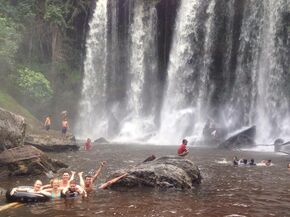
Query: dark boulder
{"points": [[282, 146], [28, 160], [101, 140], [12, 129], [49, 143], [165, 172], [243, 138]]}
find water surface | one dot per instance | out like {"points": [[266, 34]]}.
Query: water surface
{"points": [[225, 190]]}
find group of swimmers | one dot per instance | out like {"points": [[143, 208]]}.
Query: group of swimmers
{"points": [[244, 162], [67, 187]]}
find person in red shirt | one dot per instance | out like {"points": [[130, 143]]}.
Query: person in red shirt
{"points": [[88, 144], [182, 150]]}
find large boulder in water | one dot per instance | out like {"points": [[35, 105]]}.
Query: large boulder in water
{"points": [[243, 138], [165, 172], [28, 160], [51, 143], [12, 129]]}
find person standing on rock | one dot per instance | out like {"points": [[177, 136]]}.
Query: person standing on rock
{"points": [[64, 128], [182, 150], [47, 122]]}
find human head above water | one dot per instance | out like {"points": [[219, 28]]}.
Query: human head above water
{"points": [[37, 185], [184, 141]]}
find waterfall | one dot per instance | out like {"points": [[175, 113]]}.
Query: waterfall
{"points": [[259, 95], [143, 81], [222, 60], [92, 105]]}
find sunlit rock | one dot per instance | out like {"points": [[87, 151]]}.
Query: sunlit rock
{"points": [[165, 172]]}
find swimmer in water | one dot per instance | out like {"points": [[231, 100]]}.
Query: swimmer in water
{"points": [[36, 189], [252, 162], [235, 161], [74, 190], [66, 179], [55, 191], [87, 184], [266, 162]]}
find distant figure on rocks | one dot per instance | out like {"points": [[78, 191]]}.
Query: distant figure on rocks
{"points": [[47, 122], [64, 128], [88, 145], [182, 150]]}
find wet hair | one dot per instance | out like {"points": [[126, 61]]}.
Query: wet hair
{"points": [[88, 176], [252, 160], [184, 141], [245, 161], [73, 182]]}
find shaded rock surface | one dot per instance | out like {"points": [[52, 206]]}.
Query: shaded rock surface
{"points": [[12, 129], [243, 138], [50, 143], [28, 160], [281, 146], [101, 140], [165, 172]]}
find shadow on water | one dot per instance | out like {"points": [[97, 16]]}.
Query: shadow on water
{"points": [[225, 190]]}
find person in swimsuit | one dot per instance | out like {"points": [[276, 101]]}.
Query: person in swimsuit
{"points": [[73, 190], [87, 184], [47, 122], [64, 128], [55, 191], [66, 178], [36, 189]]}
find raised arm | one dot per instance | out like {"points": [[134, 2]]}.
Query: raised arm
{"points": [[82, 182], [98, 171], [72, 176], [112, 181]]}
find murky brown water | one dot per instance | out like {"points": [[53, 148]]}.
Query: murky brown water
{"points": [[225, 190]]}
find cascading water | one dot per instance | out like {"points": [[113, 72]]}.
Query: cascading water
{"points": [[92, 105], [227, 62], [259, 95], [142, 73]]}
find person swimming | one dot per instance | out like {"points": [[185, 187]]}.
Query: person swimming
{"points": [[252, 162], [73, 190], [36, 189], [266, 162], [235, 161]]}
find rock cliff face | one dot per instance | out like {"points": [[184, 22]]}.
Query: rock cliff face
{"points": [[17, 158], [12, 129], [165, 172]]}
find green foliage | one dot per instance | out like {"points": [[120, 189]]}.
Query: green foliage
{"points": [[55, 14], [34, 85], [9, 39]]}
